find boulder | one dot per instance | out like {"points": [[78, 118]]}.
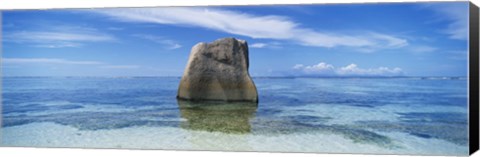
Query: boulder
{"points": [[218, 71]]}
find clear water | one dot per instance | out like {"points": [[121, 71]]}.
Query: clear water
{"points": [[325, 115]]}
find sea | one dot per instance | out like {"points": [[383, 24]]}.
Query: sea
{"points": [[394, 115]]}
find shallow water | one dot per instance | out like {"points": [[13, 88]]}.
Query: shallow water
{"points": [[325, 115]]}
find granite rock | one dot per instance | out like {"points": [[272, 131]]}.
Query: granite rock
{"points": [[218, 71]]}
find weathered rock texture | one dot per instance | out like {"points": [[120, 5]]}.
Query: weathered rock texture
{"points": [[218, 71]]}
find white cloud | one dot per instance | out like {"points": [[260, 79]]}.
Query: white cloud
{"points": [[298, 66], [47, 61], [388, 41], [324, 69], [319, 68], [58, 37], [353, 69], [457, 15], [270, 45], [258, 45], [169, 44], [175, 46], [254, 26]]}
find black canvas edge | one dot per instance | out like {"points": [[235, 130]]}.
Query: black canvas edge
{"points": [[473, 97]]}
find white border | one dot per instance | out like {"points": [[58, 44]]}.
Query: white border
{"points": [[61, 152]]}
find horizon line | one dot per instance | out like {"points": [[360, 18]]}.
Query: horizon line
{"points": [[255, 76]]}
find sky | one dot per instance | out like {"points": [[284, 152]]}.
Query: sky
{"points": [[383, 39]]}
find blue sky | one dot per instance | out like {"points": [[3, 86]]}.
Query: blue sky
{"points": [[389, 39]]}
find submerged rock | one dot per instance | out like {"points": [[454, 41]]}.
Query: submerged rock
{"points": [[226, 117], [218, 71]]}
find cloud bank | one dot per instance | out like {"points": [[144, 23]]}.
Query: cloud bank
{"points": [[325, 69]]}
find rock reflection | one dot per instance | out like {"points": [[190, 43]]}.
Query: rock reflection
{"points": [[226, 117]]}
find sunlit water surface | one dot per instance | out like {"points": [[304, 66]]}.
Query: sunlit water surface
{"points": [[325, 115]]}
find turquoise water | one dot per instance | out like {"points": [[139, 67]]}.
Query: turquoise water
{"points": [[325, 115]]}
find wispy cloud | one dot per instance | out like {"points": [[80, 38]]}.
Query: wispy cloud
{"points": [[365, 42], [258, 45], [423, 49], [120, 67], [115, 28], [456, 14], [58, 37], [47, 61], [254, 26], [58, 61], [458, 54], [325, 69], [169, 44], [58, 45], [274, 45]]}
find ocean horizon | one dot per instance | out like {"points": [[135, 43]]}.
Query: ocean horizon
{"points": [[326, 77]]}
